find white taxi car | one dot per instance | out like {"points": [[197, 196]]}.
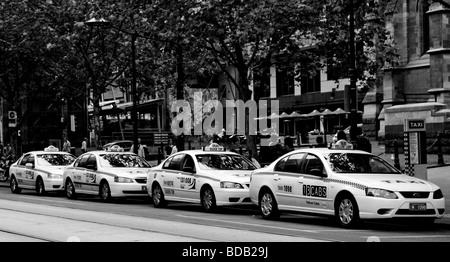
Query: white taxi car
{"points": [[212, 177], [351, 185], [40, 170], [109, 174]]}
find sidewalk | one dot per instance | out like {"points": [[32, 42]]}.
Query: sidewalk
{"points": [[432, 159]]}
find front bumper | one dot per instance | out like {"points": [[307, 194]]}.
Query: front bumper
{"points": [[128, 190], [229, 197], [378, 208], [53, 184]]}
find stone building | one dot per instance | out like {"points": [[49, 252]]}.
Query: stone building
{"points": [[419, 87]]}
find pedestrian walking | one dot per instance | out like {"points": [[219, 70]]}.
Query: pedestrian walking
{"points": [[84, 146], [66, 146]]}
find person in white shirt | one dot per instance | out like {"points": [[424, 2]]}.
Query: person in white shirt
{"points": [[141, 151], [84, 146]]}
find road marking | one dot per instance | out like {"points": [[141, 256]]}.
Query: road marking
{"points": [[248, 224], [418, 236], [51, 200]]}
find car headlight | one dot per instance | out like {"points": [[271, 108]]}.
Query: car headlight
{"points": [[54, 176], [119, 179], [376, 192], [438, 194], [230, 185]]}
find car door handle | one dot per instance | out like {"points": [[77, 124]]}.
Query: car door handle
{"points": [[276, 178]]}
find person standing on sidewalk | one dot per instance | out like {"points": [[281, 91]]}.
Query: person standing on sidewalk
{"points": [[66, 145], [84, 146]]}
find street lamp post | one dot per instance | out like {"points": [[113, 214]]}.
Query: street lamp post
{"points": [[353, 97], [134, 114], [134, 92]]}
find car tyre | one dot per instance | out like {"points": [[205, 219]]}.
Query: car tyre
{"points": [[40, 187], [268, 206], [208, 199], [105, 192], [158, 196], [70, 190], [14, 186], [347, 212]]}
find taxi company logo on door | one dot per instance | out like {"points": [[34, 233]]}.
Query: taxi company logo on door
{"points": [[314, 191], [237, 121]]}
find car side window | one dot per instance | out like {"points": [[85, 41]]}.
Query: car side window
{"points": [[24, 160], [31, 160], [293, 163], [280, 165], [313, 162], [91, 162], [167, 163], [176, 162], [188, 162], [83, 161]]}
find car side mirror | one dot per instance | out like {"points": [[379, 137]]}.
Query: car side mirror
{"points": [[188, 169], [317, 172]]}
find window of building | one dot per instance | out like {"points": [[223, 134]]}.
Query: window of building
{"points": [[285, 80], [261, 82], [425, 28], [310, 83]]}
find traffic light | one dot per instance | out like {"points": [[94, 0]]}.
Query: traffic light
{"points": [[12, 118]]}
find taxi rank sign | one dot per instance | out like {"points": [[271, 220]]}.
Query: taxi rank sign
{"points": [[414, 143]]}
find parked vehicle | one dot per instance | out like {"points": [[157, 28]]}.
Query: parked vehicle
{"points": [[350, 185], [39, 170]]}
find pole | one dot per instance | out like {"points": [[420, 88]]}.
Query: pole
{"points": [[352, 74], [134, 92]]}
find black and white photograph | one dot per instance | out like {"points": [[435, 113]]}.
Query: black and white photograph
{"points": [[225, 129]]}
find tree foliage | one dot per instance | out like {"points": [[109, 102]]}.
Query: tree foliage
{"points": [[47, 42]]}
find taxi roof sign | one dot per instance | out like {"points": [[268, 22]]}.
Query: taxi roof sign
{"points": [[115, 148], [51, 149], [214, 147]]}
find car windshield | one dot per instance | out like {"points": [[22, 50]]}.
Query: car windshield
{"points": [[55, 159], [122, 160], [224, 162], [359, 163]]}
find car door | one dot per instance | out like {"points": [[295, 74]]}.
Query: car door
{"points": [[25, 174], [90, 176], [187, 180], [171, 172], [78, 174], [286, 174], [315, 185]]}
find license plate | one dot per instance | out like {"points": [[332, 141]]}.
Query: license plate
{"points": [[144, 188], [417, 206]]}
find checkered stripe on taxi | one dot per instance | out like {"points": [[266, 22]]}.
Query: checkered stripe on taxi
{"points": [[332, 180]]}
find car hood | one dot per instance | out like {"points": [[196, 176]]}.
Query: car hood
{"points": [[52, 169], [241, 176], [128, 172], [391, 182]]}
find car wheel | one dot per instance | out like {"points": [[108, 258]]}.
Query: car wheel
{"points": [[208, 199], [14, 186], [347, 212], [158, 196], [268, 206], [40, 187], [105, 192], [70, 190]]}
